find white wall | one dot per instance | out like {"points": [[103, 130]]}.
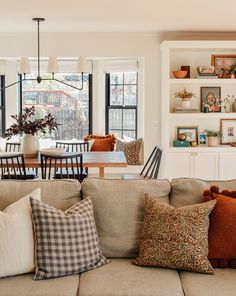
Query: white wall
{"points": [[140, 45]]}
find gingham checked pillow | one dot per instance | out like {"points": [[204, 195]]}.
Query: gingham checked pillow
{"points": [[66, 242]]}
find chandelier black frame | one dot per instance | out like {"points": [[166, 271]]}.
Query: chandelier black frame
{"points": [[39, 78]]}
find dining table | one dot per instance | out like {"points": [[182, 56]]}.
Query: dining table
{"points": [[100, 160]]}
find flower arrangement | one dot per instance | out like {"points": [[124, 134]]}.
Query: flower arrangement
{"points": [[184, 95], [28, 123]]}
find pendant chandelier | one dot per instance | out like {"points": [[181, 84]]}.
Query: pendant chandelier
{"points": [[84, 66]]}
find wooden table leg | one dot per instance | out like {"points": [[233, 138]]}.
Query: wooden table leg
{"points": [[101, 172]]}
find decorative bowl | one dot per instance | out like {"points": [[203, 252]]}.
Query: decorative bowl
{"points": [[53, 151], [180, 74]]}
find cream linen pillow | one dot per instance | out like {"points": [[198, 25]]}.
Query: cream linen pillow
{"points": [[17, 237]]}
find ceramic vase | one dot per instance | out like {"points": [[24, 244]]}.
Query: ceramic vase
{"points": [[234, 106], [186, 104], [30, 145], [213, 141]]}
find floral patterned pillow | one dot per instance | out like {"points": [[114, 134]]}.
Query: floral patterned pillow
{"points": [[175, 238], [133, 150]]}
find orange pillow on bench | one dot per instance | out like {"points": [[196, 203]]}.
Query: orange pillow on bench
{"points": [[102, 143], [222, 231]]}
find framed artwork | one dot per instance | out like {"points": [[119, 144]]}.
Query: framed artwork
{"points": [[210, 97], [228, 131], [223, 64], [190, 131], [202, 139]]}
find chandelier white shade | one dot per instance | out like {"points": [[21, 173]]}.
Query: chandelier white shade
{"points": [[84, 66], [53, 66], [24, 67], [3, 67]]}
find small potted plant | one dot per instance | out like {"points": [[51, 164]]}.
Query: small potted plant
{"points": [[185, 96], [213, 138], [30, 125]]}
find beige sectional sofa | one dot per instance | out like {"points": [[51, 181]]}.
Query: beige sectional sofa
{"points": [[118, 210]]}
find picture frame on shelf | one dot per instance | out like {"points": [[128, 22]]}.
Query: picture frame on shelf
{"points": [[202, 139], [228, 131], [224, 64], [190, 131], [210, 99]]}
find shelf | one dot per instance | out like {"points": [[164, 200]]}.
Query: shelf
{"points": [[202, 81], [203, 115], [222, 148]]}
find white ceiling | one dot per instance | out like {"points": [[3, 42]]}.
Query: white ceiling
{"points": [[118, 16]]}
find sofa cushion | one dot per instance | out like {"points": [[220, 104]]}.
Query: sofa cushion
{"points": [[61, 194], [119, 211], [222, 231], [122, 278], [133, 150], [25, 285], [17, 237], [175, 238], [66, 242], [221, 283], [102, 143], [188, 191]]}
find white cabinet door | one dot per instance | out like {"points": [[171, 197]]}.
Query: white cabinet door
{"points": [[178, 165], [227, 165], [205, 165]]}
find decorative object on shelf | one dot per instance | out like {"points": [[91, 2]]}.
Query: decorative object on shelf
{"points": [[213, 138], [30, 125], [194, 143], [226, 103], [228, 130], [185, 96], [180, 74], [233, 71], [206, 72], [178, 143], [205, 108], [182, 136], [223, 64], [202, 139], [190, 131], [210, 97], [186, 68], [234, 105], [84, 66]]}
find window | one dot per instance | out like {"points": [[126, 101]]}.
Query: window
{"points": [[2, 105], [121, 104], [70, 107]]}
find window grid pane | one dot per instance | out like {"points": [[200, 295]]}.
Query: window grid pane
{"points": [[69, 106], [122, 104]]}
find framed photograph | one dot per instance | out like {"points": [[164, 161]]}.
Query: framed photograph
{"points": [[202, 139], [228, 131], [223, 64], [210, 97], [190, 131]]}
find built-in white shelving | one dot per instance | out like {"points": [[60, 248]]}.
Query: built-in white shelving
{"points": [[201, 161], [215, 81]]}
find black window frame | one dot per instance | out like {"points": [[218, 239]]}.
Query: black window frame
{"points": [[90, 103], [3, 103], [108, 106]]}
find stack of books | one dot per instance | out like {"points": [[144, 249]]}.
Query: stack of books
{"points": [[185, 110], [206, 75]]}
